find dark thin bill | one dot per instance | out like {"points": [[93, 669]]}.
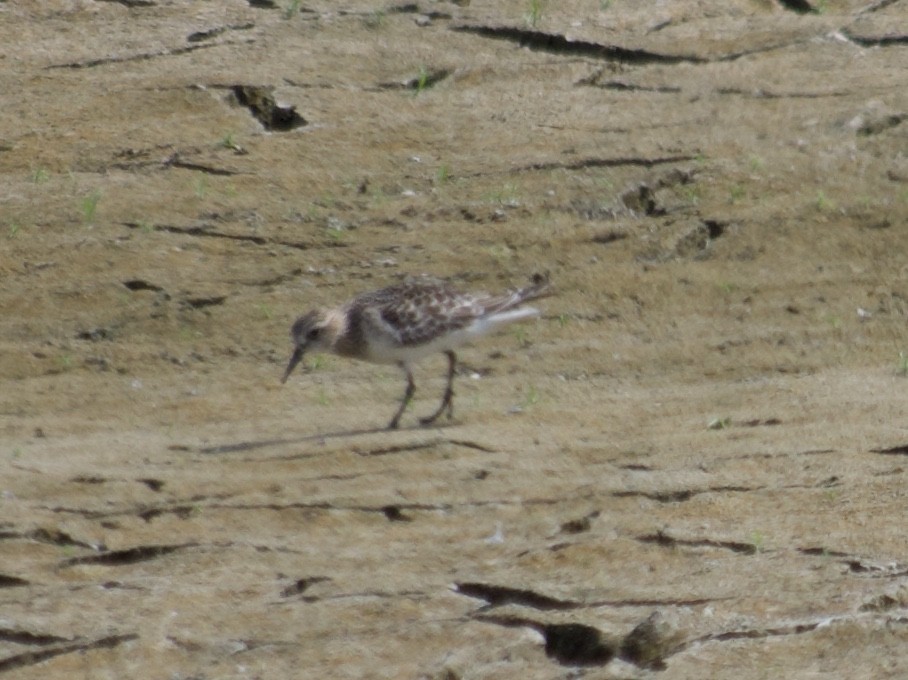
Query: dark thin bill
{"points": [[294, 360]]}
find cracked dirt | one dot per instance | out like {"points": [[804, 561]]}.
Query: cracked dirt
{"points": [[693, 465]]}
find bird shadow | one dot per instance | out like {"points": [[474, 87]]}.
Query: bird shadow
{"points": [[320, 438]]}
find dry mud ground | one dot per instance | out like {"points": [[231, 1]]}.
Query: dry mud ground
{"points": [[703, 438]]}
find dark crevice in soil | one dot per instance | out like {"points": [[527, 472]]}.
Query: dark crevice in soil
{"points": [[134, 159], [880, 4], [398, 508], [682, 495], [405, 8], [204, 232], [669, 602], [181, 511], [243, 446], [199, 36], [152, 483], [862, 566], [35, 657], [395, 514], [418, 446], [471, 445], [580, 524], [49, 536], [137, 511], [24, 637], [876, 41], [857, 564], [191, 505], [497, 596], [202, 302], [145, 56], [662, 539], [260, 102], [604, 163], [199, 167], [301, 585], [624, 86], [759, 633], [117, 558], [764, 94], [398, 448], [327, 506], [558, 44], [761, 422], [141, 284], [7, 581], [900, 450], [377, 594], [822, 552], [799, 6], [750, 634], [132, 3]]}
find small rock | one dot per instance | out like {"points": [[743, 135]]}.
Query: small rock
{"points": [[650, 642]]}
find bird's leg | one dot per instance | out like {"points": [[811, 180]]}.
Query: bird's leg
{"points": [[408, 397], [447, 400]]}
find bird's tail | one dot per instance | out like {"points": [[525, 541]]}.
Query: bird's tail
{"points": [[540, 286]]}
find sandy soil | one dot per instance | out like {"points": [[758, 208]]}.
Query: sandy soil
{"points": [[693, 465]]}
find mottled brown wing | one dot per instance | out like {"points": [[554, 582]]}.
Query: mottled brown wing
{"points": [[418, 311]]}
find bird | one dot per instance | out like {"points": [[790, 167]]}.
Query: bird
{"points": [[409, 321]]}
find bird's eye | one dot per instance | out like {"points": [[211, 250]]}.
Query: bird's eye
{"points": [[313, 334]]}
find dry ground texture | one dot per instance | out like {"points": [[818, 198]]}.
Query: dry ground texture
{"points": [[692, 465]]}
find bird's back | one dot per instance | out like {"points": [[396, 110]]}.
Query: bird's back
{"points": [[413, 312], [423, 315]]}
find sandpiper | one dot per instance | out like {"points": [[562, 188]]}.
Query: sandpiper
{"points": [[408, 321]]}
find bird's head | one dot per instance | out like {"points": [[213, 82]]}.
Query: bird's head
{"points": [[311, 332]]}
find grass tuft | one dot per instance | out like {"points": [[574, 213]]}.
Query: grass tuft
{"points": [[89, 206], [292, 9], [374, 20], [422, 81], [534, 15]]}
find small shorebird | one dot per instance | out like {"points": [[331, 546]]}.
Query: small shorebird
{"points": [[406, 322]]}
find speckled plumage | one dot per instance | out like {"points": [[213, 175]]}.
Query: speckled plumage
{"points": [[403, 323]]}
